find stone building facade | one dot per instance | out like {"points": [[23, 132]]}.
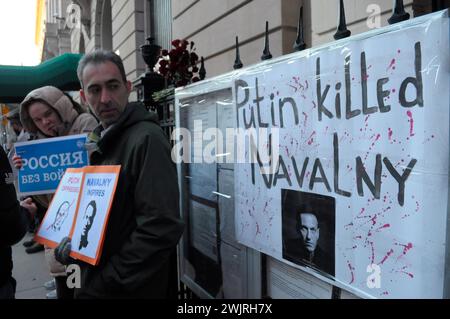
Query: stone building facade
{"points": [[81, 26]]}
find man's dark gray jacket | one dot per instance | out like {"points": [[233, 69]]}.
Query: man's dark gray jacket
{"points": [[144, 226]]}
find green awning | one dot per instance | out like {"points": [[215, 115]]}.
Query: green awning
{"points": [[17, 81]]}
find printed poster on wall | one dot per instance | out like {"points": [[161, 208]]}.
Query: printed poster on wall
{"points": [[45, 161], [359, 189], [80, 210]]}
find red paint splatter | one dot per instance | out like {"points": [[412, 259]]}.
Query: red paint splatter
{"points": [[428, 139], [390, 133], [411, 123], [374, 220], [311, 138], [408, 273], [398, 51], [387, 208], [390, 252], [373, 252], [391, 65], [384, 226], [314, 104], [385, 293], [371, 146], [406, 248], [362, 211], [351, 268], [265, 207], [306, 118], [287, 150], [257, 230]]}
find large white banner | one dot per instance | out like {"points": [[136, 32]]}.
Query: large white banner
{"points": [[360, 188]]}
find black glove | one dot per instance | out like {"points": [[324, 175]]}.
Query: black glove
{"points": [[62, 252]]}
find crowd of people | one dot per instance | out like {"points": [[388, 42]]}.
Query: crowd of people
{"points": [[144, 225]]}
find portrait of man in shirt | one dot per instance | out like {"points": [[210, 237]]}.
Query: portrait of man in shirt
{"points": [[308, 230]]}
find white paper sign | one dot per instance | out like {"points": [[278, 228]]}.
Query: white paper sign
{"points": [[363, 160], [80, 210], [57, 223], [90, 222]]}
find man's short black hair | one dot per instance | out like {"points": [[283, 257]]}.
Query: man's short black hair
{"points": [[99, 57]]}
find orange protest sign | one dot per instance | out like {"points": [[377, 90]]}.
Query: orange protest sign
{"points": [[80, 210]]}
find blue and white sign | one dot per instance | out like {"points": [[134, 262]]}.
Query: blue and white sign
{"points": [[45, 161]]}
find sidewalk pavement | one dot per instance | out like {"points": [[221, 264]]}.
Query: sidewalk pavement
{"points": [[30, 271]]}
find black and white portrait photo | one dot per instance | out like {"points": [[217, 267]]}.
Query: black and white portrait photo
{"points": [[88, 219], [308, 230]]}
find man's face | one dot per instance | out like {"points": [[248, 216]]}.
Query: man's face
{"points": [[88, 219], [45, 118], [62, 215], [105, 91], [309, 229]]}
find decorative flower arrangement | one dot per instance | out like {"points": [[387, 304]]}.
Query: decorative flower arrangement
{"points": [[179, 65]]}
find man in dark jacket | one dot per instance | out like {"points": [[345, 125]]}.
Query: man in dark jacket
{"points": [[14, 221], [144, 225]]}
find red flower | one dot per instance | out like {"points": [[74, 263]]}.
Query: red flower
{"points": [[176, 43], [179, 65], [184, 44]]}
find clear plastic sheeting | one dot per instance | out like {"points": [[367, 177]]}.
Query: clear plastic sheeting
{"points": [[213, 262], [338, 157]]}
